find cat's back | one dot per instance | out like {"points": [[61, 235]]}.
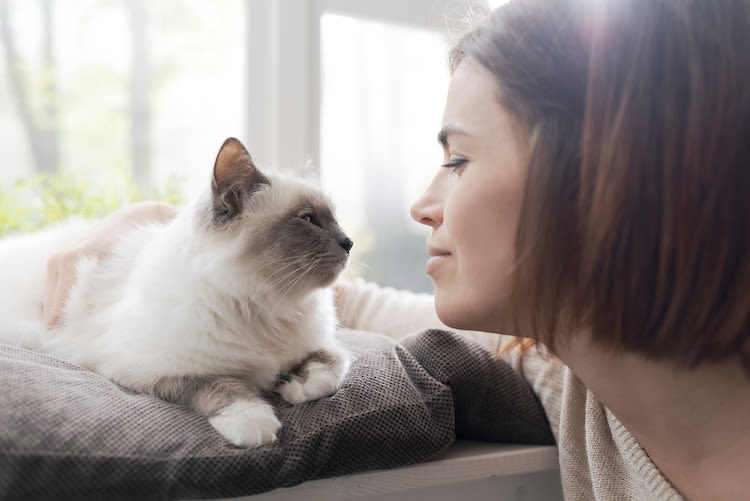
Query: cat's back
{"points": [[23, 268]]}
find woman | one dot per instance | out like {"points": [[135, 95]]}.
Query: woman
{"points": [[595, 198]]}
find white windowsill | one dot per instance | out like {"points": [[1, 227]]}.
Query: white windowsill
{"points": [[477, 470]]}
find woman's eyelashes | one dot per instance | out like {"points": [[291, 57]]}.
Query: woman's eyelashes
{"points": [[454, 163]]}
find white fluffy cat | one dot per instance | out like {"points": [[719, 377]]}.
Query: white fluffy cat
{"points": [[228, 300]]}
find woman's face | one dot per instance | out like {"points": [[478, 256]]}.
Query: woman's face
{"points": [[473, 202]]}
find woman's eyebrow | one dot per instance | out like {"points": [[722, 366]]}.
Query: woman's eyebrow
{"points": [[447, 131]]}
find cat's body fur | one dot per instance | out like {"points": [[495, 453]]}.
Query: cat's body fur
{"points": [[207, 310]]}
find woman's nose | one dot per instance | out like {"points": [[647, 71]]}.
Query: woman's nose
{"points": [[428, 209]]}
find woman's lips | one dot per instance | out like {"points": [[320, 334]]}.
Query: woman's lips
{"points": [[437, 258]]}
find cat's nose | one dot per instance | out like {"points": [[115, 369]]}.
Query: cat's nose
{"points": [[346, 244]]}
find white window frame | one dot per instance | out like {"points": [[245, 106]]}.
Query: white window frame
{"points": [[283, 67]]}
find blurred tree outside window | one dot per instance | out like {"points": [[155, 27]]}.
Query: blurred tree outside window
{"points": [[103, 102]]}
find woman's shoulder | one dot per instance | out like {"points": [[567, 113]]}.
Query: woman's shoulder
{"points": [[599, 457]]}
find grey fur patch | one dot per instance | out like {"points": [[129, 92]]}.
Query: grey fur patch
{"points": [[207, 395], [317, 249], [321, 356]]}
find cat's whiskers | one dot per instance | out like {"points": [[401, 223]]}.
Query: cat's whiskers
{"points": [[292, 261], [273, 280], [300, 273], [360, 263]]}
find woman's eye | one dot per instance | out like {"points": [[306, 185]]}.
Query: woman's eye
{"points": [[454, 163]]}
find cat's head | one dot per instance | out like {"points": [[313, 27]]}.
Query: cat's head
{"points": [[272, 231]]}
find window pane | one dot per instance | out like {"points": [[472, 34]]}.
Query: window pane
{"points": [[147, 88], [382, 95]]}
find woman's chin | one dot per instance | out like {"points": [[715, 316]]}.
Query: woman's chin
{"points": [[450, 313], [464, 315]]}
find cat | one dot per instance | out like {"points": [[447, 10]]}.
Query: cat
{"points": [[230, 299]]}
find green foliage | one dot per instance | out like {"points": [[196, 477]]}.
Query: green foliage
{"points": [[31, 204]]}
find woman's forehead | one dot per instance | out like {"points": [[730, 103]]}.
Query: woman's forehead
{"points": [[473, 107]]}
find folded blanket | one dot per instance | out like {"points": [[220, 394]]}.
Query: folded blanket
{"points": [[67, 433]]}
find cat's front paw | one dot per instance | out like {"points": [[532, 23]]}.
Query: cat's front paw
{"points": [[247, 423], [318, 380]]}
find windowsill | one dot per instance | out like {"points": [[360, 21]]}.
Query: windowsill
{"points": [[481, 470]]}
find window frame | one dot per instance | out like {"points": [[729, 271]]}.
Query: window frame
{"points": [[283, 67]]}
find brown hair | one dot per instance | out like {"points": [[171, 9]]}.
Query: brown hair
{"points": [[635, 224]]}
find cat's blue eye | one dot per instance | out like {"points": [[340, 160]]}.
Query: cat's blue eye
{"points": [[309, 218], [455, 163]]}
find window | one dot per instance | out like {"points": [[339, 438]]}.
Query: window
{"points": [[96, 87], [151, 89], [383, 88], [384, 76]]}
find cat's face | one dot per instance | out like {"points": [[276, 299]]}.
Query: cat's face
{"points": [[277, 233]]}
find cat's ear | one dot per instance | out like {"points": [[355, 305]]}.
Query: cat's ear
{"points": [[235, 178]]}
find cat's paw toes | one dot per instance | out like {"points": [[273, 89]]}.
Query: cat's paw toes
{"points": [[247, 423], [293, 392], [318, 383]]}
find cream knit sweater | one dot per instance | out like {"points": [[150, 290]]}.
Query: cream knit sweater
{"points": [[599, 458]]}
